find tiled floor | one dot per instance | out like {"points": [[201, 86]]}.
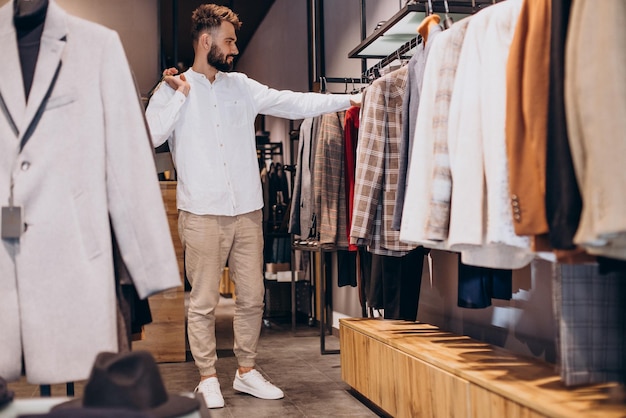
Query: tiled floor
{"points": [[311, 381]]}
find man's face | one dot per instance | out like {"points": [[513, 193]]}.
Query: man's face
{"points": [[219, 60], [223, 49]]}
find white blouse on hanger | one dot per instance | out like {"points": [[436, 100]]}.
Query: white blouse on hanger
{"points": [[419, 177], [481, 222]]}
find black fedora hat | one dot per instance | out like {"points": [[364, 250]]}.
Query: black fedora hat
{"points": [[91, 413], [130, 381]]}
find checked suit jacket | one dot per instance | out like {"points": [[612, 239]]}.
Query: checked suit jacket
{"points": [[377, 166]]}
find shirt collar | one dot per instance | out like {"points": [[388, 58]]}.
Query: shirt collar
{"points": [[220, 75], [200, 76]]}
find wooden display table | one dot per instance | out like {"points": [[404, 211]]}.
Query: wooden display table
{"points": [[165, 336], [411, 369]]}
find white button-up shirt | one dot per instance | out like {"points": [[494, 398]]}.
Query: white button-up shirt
{"points": [[212, 139]]}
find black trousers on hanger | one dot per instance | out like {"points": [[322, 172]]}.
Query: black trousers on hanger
{"points": [[346, 267], [372, 278], [402, 279], [478, 285]]}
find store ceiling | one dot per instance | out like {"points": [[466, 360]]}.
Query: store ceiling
{"points": [[176, 25]]}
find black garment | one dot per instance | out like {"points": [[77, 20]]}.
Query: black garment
{"points": [[563, 199], [402, 280], [6, 395], [371, 275], [133, 312], [278, 198], [29, 18], [346, 268], [478, 285], [280, 249], [611, 265]]}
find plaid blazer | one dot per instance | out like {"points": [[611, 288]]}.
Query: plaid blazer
{"points": [[377, 166], [438, 220], [329, 182], [589, 309]]}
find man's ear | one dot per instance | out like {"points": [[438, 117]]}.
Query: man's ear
{"points": [[206, 40]]}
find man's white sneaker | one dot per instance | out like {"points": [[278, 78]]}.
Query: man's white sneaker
{"points": [[210, 390], [253, 383]]}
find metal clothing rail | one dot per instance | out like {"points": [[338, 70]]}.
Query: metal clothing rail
{"points": [[343, 80], [325, 289], [424, 6], [399, 54]]}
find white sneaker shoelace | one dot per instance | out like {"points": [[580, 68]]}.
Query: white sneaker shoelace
{"points": [[253, 374], [255, 384], [210, 390]]}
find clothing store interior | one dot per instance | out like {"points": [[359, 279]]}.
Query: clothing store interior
{"points": [[447, 246]]}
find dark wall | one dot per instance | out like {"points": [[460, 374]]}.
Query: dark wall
{"points": [[176, 26]]}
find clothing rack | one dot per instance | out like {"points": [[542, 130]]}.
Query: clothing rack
{"points": [[427, 7], [269, 150], [343, 80], [451, 6], [399, 54]]}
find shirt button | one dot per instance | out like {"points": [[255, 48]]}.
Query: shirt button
{"points": [[25, 165]]}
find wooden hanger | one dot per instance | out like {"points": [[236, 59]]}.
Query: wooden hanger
{"points": [[426, 24]]}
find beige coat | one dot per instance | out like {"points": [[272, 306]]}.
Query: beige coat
{"points": [[88, 160], [595, 93]]}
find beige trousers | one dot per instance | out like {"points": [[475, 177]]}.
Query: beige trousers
{"points": [[209, 243]]}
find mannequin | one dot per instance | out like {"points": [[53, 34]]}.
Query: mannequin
{"points": [[23, 8], [68, 148], [29, 17]]}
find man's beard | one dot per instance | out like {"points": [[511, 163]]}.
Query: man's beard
{"points": [[219, 60]]}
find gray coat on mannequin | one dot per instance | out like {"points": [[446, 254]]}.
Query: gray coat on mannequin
{"points": [[76, 157]]}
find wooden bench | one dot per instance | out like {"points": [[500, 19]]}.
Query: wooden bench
{"points": [[411, 369]]}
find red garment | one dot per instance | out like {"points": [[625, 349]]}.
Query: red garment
{"points": [[351, 135]]}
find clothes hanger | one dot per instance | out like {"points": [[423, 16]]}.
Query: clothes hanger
{"points": [[424, 27], [323, 84], [354, 89], [447, 21]]}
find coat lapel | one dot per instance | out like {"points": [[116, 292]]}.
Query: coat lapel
{"points": [[11, 83], [50, 53]]}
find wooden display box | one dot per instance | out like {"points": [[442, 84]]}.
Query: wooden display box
{"points": [[411, 369], [227, 286], [276, 267]]}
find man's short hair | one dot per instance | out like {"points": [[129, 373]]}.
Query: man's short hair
{"points": [[210, 16]]}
